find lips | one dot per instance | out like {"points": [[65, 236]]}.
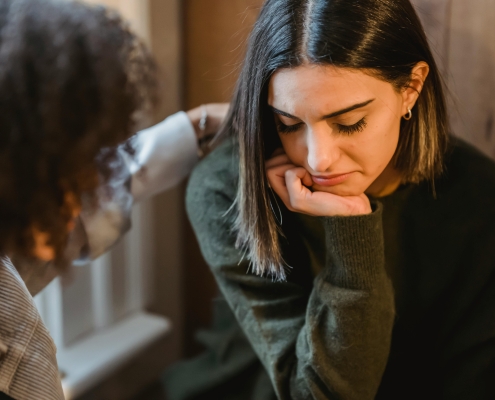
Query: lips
{"points": [[330, 180]]}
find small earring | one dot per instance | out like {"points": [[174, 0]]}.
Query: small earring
{"points": [[408, 116]]}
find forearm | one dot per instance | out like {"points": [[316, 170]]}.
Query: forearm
{"points": [[345, 341], [334, 344], [165, 154]]}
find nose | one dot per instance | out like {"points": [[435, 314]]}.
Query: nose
{"points": [[322, 147]]}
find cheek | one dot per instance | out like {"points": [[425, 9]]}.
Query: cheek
{"points": [[294, 148], [391, 137], [386, 138], [376, 146]]}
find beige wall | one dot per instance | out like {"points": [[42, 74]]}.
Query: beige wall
{"points": [[462, 35], [135, 11], [215, 34]]}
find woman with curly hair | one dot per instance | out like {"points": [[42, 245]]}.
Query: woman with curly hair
{"points": [[352, 238], [73, 82]]}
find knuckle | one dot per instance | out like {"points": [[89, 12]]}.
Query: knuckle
{"points": [[289, 173]]}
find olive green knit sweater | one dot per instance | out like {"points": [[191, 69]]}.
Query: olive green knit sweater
{"points": [[402, 305]]}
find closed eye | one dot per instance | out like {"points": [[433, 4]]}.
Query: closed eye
{"points": [[345, 129], [282, 128], [350, 129]]}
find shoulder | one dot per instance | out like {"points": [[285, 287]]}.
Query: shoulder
{"points": [[210, 196], [463, 197], [212, 187], [464, 158], [468, 173], [216, 175]]}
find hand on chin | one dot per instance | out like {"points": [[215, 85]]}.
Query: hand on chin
{"points": [[295, 187]]}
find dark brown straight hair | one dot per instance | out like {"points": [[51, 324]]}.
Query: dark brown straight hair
{"points": [[385, 39]]}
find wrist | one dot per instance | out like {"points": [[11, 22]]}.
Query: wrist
{"points": [[199, 118], [195, 117]]}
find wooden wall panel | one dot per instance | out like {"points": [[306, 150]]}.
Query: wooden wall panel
{"points": [[215, 33]]}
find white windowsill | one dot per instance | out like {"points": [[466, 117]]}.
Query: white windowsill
{"points": [[91, 360]]}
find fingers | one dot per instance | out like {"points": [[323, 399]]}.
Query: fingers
{"points": [[276, 179], [292, 185], [289, 182], [297, 181], [218, 110], [300, 199], [305, 177], [280, 171]]}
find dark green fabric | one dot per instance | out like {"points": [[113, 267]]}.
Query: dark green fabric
{"points": [[227, 370], [403, 305]]}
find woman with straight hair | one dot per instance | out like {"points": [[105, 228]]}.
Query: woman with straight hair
{"points": [[351, 236]]}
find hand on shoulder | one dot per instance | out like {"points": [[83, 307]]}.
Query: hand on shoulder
{"points": [[206, 119]]}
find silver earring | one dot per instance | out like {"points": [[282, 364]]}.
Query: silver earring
{"points": [[408, 116]]}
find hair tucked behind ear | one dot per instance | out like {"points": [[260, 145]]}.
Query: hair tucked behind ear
{"points": [[381, 37]]}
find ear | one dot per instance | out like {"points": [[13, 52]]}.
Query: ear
{"points": [[411, 93]]}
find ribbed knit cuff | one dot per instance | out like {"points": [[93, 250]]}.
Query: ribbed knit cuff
{"points": [[355, 253]]}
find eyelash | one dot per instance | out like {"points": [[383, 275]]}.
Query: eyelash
{"points": [[350, 129], [345, 129]]}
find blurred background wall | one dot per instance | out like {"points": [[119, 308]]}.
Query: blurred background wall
{"points": [[462, 35], [161, 221]]}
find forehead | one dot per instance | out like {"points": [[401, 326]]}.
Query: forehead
{"points": [[324, 86]]}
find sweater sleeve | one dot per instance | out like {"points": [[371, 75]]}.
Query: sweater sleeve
{"points": [[332, 343]]}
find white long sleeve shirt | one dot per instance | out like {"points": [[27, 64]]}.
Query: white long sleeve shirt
{"points": [[165, 154]]}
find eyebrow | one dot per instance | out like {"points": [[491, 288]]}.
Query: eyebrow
{"points": [[334, 114]]}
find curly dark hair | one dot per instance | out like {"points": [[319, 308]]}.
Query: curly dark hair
{"points": [[73, 80]]}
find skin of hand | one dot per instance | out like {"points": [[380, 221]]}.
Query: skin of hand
{"points": [[339, 129], [292, 184], [216, 115]]}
